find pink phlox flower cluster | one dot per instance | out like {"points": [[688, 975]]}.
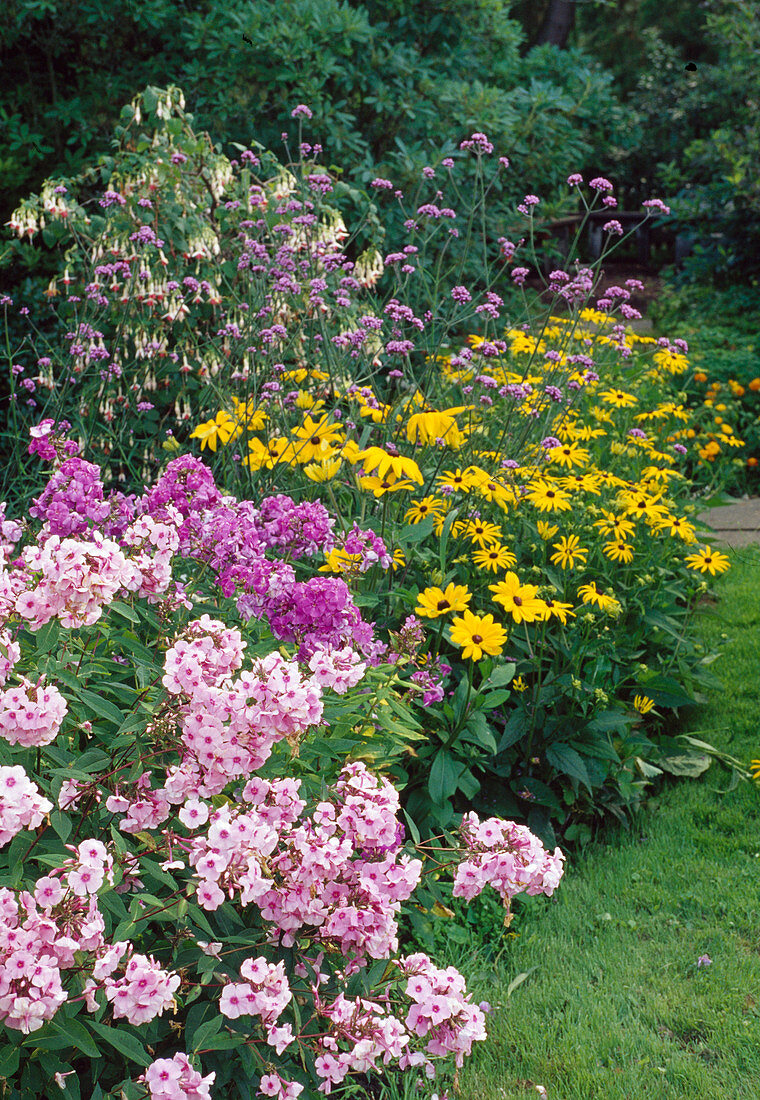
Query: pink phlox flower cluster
{"points": [[277, 801], [41, 935], [73, 790], [271, 1084], [370, 1033], [207, 653], [21, 804], [152, 545], [229, 858], [300, 528], [175, 1079], [10, 533], [31, 991], [442, 1011], [508, 857], [85, 874], [145, 808], [75, 580], [31, 714], [229, 730], [338, 669], [10, 654], [368, 545], [264, 993], [145, 991]]}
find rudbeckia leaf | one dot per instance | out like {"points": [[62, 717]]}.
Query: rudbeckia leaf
{"points": [[569, 762]]}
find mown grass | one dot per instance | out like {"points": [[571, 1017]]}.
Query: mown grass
{"points": [[614, 1005]]}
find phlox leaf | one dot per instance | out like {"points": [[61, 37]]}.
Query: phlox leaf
{"points": [[123, 1041]]}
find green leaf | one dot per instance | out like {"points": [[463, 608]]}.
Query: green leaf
{"points": [[61, 824], [124, 610], [415, 532], [494, 699], [666, 691], [123, 1041], [443, 776], [502, 675], [204, 1032], [689, 764], [77, 1035], [444, 539], [101, 706], [479, 731], [514, 729], [607, 720], [569, 762], [9, 1059]]}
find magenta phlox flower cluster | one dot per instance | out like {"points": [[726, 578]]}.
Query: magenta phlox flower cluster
{"points": [[508, 857], [73, 501], [264, 993], [338, 669], [31, 714], [302, 529], [369, 546], [73, 580], [317, 612], [442, 1012], [175, 1079], [21, 804], [430, 681], [187, 484]]}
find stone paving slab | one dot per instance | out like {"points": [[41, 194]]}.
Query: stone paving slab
{"points": [[735, 525]]}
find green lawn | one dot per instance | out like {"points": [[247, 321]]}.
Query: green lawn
{"points": [[615, 1006]]}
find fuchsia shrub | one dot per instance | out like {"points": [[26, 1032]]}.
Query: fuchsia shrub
{"points": [[187, 888]]}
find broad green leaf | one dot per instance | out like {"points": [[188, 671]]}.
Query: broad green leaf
{"points": [[515, 728], [77, 1035], [689, 764], [443, 776], [501, 676], [124, 610], [9, 1059], [568, 762], [101, 706], [123, 1041]]}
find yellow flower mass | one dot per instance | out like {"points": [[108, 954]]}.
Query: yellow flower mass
{"points": [[434, 602], [518, 600], [478, 634]]}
